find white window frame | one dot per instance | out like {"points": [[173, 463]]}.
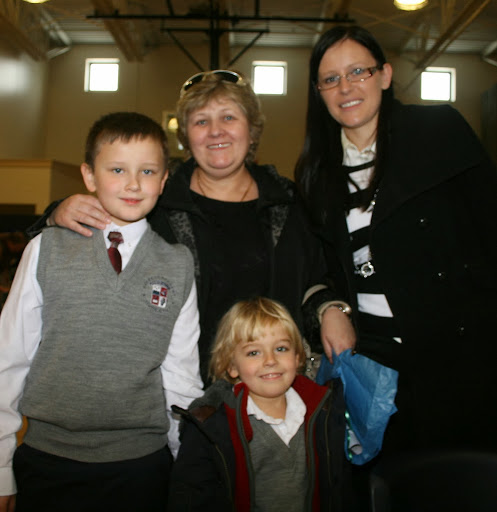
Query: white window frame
{"points": [[88, 71], [269, 64], [433, 71]]}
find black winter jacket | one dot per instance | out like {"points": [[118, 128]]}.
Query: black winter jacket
{"points": [[433, 239], [213, 470], [295, 253]]}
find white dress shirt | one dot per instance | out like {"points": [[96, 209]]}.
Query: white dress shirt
{"points": [[294, 417], [20, 335], [372, 303]]}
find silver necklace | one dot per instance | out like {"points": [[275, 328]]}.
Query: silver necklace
{"points": [[242, 198], [367, 269]]}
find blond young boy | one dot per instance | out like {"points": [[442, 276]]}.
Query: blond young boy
{"points": [[262, 436], [97, 338]]}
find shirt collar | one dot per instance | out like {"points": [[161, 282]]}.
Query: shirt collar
{"points": [[131, 232], [352, 155], [295, 409]]}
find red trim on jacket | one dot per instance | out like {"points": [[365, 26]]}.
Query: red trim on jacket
{"points": [[312, 394], [242, 489]]}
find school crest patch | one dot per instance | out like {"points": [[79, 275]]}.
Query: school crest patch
{"points": [[156, 293]]}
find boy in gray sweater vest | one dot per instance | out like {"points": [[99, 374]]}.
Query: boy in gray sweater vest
{"points": [[98, 338]]}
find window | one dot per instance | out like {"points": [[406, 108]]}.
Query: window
{"points": [[170, 125], [269, 77], [438, 84], [101, 74]]}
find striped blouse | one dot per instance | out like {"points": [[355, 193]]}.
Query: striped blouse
{"points": [[375, 315]]}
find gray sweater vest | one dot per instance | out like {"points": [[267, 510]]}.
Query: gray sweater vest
{"points": [[280, 470], [94, 391]]}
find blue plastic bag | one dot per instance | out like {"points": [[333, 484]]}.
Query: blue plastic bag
{"points": [[369, 390]]}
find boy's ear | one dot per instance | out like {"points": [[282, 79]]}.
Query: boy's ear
{"points": [[163, 181], [300, 364], [232, 371], [88, 177]]}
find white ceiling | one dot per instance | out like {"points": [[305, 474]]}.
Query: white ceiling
{"points": [[463, 26]]}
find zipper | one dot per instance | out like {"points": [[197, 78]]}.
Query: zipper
{"points": [[248, 459], [310, 451]]}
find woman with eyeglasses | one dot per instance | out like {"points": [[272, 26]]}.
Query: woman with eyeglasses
{"points": [[403, 198], [242, 222]]}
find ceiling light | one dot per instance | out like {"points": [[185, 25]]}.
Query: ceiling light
{"points": [[36, 1], [410, 5]]}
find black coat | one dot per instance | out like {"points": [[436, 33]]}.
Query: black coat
{"points": [[213, 471], [295, 254], [433, 238]]}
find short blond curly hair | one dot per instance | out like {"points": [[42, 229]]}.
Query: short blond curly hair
{"points": [[214, 87], [244, 322]]}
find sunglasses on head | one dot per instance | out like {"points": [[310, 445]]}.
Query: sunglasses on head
{"points": [[223, 74]]}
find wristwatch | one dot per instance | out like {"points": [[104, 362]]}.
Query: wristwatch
{"points": [[342, 306]]}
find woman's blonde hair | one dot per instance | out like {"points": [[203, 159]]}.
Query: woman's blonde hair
{"points": [[244, 322], [212, 86]]}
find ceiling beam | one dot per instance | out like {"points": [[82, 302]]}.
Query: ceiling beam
{"points": [[342, 9], [119, 31], [224, 17], [332, 9], [11, 31], [420, 19], [217, 18], [453, 31], [390, 20], [11, 9], [447, 9]]}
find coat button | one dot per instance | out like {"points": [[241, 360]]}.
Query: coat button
{"points": [[423, 222], [441, 276]]}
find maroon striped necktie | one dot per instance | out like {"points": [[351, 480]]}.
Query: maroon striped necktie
{"points": [[115, 256]]}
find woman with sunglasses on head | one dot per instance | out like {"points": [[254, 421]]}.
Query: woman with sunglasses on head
{"points": [[403, 197], [242, 222]]}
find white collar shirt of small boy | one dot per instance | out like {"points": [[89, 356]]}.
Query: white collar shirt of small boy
{"points": [[131, 235], [288, 427]]}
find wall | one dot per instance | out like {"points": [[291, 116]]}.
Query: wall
{"points": [[149, 87], [152, 87], [23, 88], [473, 78], [38, 182], [285, 115]]}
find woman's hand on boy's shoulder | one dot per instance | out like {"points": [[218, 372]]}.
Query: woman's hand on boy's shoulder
{"points": [[77, 210], [7, 503]]}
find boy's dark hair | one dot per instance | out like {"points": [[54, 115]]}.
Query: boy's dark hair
{"points": [[124, 126]]}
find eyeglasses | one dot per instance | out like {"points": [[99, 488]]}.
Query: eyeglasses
{"points": [[356, 75], [223, 74]]}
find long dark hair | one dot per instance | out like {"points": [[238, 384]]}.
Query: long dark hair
{"points": [[319, 167]]}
